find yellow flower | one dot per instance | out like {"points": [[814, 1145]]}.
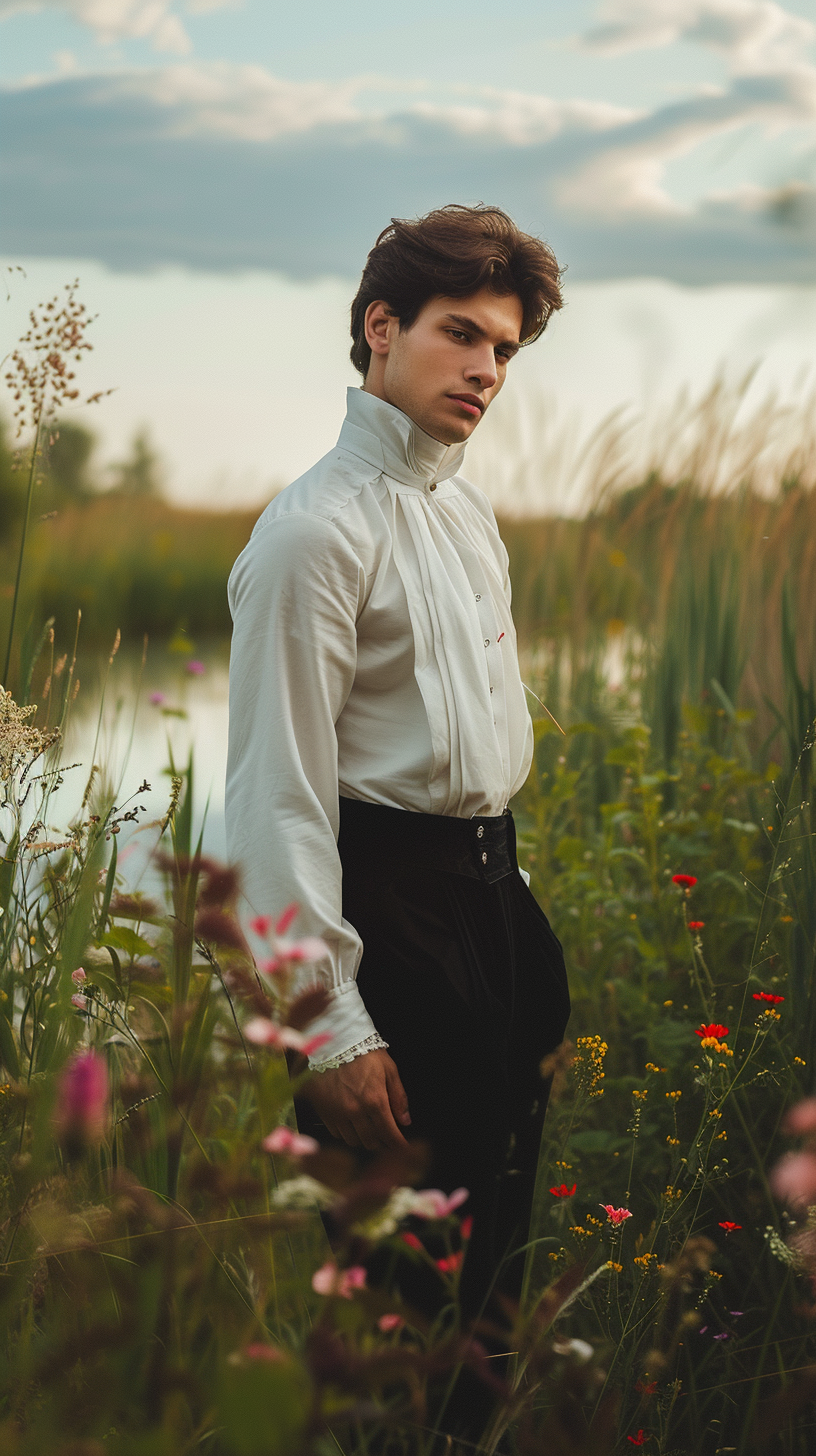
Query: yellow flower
{"points": [[668, 1003], [640, 1095], [797, 1062], [650, 1067], [673, 1096], [673, 1142], [618, 1268]]}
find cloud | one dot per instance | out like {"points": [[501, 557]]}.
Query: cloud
{"points": [[116, 20], [221, 166], [755, 37]]}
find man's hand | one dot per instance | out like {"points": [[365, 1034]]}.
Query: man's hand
{"points": [[362, 1101]]}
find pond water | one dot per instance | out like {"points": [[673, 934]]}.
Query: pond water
{"points": [[175, 704]]}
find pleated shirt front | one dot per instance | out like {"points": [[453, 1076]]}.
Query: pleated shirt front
{"points": [[373, 656]]}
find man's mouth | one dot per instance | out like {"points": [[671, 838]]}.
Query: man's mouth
{"points": [[470, 403]]}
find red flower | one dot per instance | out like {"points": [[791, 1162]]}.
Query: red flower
{"points": [[640, 1439], [562, 1191], [696, 925], [729, 1226], [449, 1265], [646, 1389], [686, 881], [466, 1227], [413, 1242], [716, 1029], [768, 996]]}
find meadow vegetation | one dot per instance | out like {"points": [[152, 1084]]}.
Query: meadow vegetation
{"points": [[167, 1286]]}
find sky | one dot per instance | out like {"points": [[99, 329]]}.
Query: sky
{"points": [[215, 173]]}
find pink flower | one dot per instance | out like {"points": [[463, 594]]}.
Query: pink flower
{"points": [[293, 952], [196, 668], [793, 1180], [616, 1216], [285, 918], [413, 1242], [81, 1107], [157, 699], [433, 1203], [802, 1118], [260, 1351], [261, 925], [78, 976], [263, 1032], [81, 1002], [331, 1280], [293, 1144], [388, 1322]]}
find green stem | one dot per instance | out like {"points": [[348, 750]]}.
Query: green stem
{"points": [[32, 474]]}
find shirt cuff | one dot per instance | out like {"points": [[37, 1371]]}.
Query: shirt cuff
{"points": [[348, 1024], [525, 875]]}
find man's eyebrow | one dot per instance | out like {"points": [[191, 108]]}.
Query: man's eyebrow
{"points": [[468, 323]]}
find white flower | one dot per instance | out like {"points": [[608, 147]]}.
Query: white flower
{"points": [[303, 1192]]}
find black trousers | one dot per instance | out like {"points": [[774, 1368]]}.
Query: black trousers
{"points": [[464, 978]]}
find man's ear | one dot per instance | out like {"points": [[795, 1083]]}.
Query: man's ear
{"points": [[381, 327]]}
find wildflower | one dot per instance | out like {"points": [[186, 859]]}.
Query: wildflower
{"points": [[768, 996], [651, 1067], [562, 1191], [260, 1351], [466, 1228], [668, 1003], [616, 1216], [797, 1062], [713, 1031], [157, 699], [293, 1144], [673, 1096], [80, 1002], [303, 1192], [724, 1335], [640, 1439], [19, 740], [616, 1268], [413, 1242], [793, 1180], [589, 1058], [293, 952], [331, 1280], [646, 1389], [388, 1322], [645, 1260], [78, 976], [802, 1118], [433, 1203], [81, 1106], [195, 668], [729, 1227], [686, 882], [673, 1142], [640, 1095], [696, 925], [264, 1032], [579, 1349], [450, 1264]]}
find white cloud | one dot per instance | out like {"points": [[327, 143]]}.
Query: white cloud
{"points": [[773, 85], [756, 37], [244, 102], [118, 20]]}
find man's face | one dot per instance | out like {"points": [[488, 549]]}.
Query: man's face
{"points": [[445, 369]]}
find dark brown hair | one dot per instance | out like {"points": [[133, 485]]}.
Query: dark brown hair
{"points": [[454, 251]]}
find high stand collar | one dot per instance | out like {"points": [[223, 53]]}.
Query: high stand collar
{"points": [[383, 435]]}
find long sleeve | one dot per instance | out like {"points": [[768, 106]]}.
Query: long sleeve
{"points": [[295, 593]]}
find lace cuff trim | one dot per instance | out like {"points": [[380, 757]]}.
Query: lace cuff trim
{"points": [[370, 1044]]}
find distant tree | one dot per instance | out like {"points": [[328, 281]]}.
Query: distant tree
{"points": [[66, 464], [141, 474]]}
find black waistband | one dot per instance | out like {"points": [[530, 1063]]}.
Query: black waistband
{"points": [[483, 848]]}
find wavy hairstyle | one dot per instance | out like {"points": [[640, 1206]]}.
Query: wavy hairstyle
{"points": [[453, 252]]}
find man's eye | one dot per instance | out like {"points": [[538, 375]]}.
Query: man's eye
{"points": [[458, 334]]}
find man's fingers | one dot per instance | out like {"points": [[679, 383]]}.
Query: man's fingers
{"points": [[397, 1095], [383, 1127]]}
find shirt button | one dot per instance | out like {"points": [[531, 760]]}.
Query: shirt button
{"points": [[480, 832], [484, 856], [478, 596], [487, 641], [433, 487], [491, 690]]}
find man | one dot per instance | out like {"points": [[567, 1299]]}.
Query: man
{"points": [[379, 727]]}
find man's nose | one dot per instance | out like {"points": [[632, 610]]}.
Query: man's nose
{"points": [[481, 368]]}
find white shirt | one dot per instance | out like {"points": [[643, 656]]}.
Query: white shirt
{"points": [[373, 656]]}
